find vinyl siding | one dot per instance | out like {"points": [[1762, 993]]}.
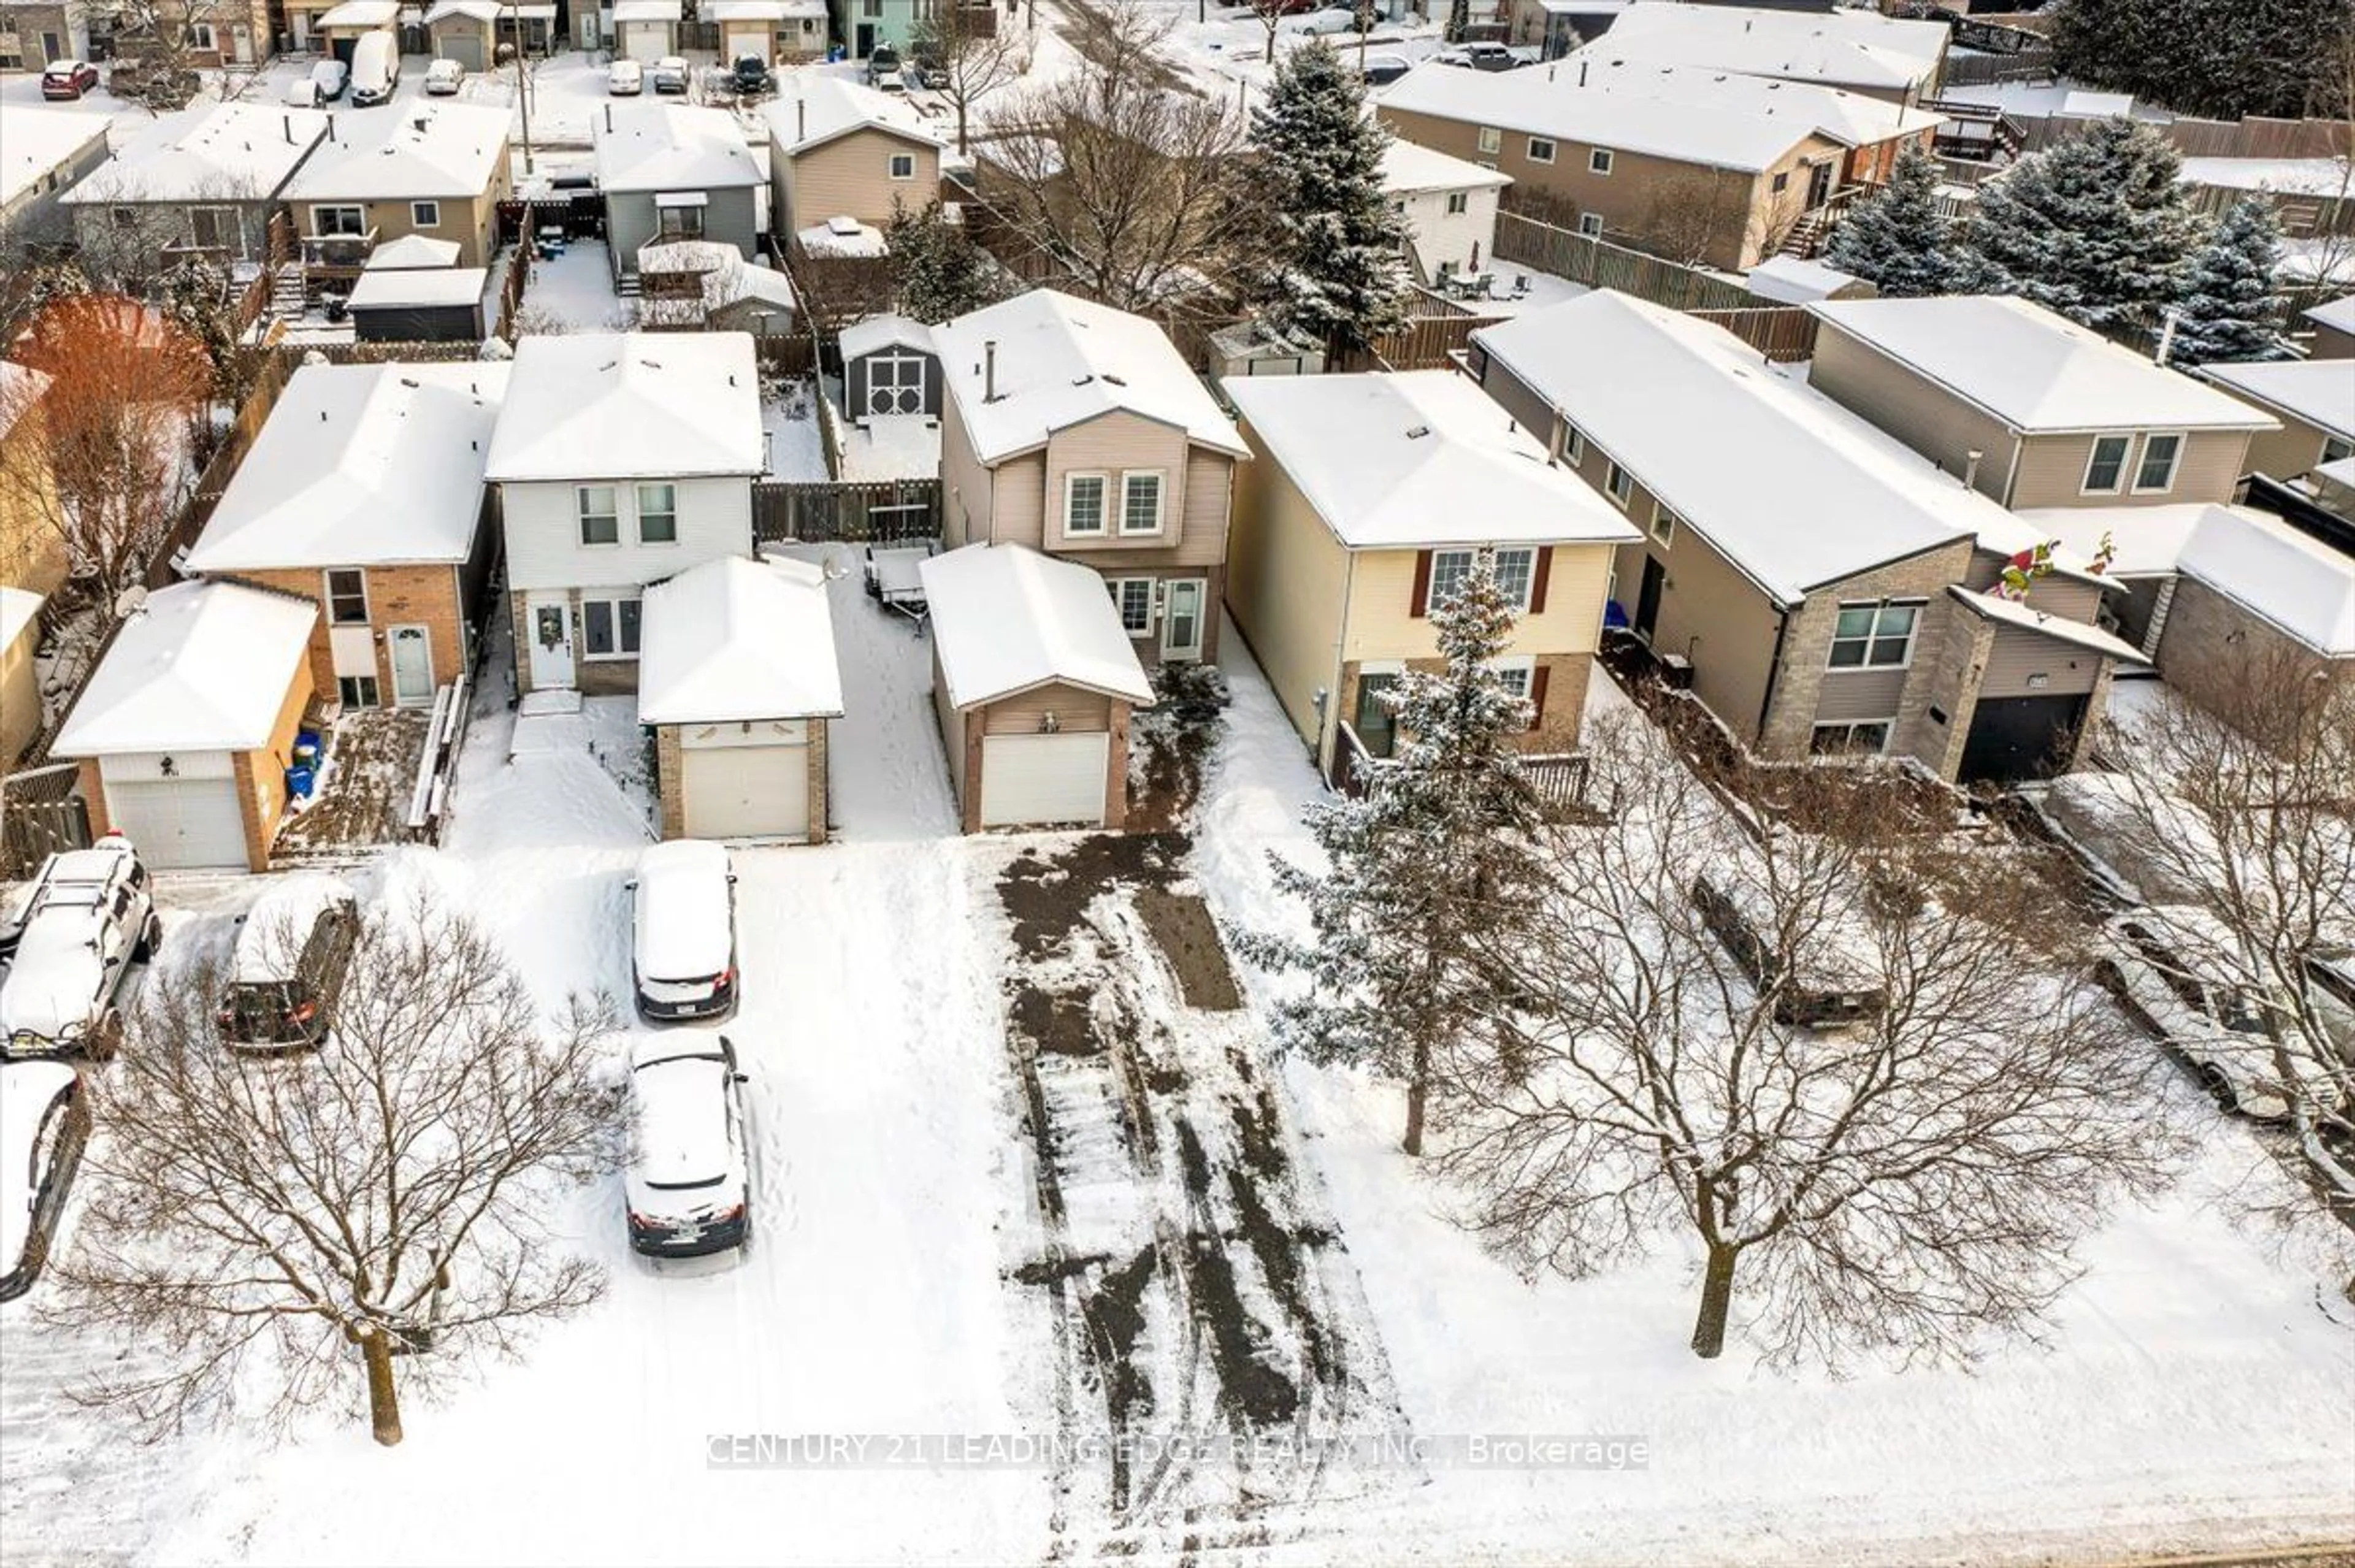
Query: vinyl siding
{"points": [[2289, 452], [715, 519], [966, 508], [1017, 495], [952, 729], [1383, 625], [1110, 444], [1860, 694], [729, 219], [851, 176], [471, 221], [2018, 655], [1076, 711], [1287, 578], [1934, 421], [2052, 470]]}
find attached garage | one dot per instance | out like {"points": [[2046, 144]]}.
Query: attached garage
{"points": [[737, 676], [1033, 682], [187, 726], [2039, 676]]}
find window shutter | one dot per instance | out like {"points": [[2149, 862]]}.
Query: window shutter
{"points": [[1537, 688], [1422, 606], [1538, 581]]}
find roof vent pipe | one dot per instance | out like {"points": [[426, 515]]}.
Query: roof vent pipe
{"points": [[609, 119], [801, 121], [288, 121], [1582, 73], [989, 371], [1971, 467]]}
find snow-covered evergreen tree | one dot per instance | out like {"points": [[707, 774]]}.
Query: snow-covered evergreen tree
{"points": [[937, 271], [2232, 308], [2220, 59], [1898, 238], [2097, 227], [1336, 276], [1432, 855]]}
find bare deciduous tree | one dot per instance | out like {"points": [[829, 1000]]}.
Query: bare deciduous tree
{"points": [[1908, 1179], [383, 1197], [974, 57]]}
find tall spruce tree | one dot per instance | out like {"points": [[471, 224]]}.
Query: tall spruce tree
{"points": [[2097, 227], [1432, 854], [2232, 308], [1335, 276], [937, 271], [2220, 59], [1898, 238]]}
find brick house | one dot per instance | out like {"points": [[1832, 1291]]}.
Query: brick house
{"points": [[1079, 431], [1825, 590], [365, 495], [1369, 495], [621, 459]]}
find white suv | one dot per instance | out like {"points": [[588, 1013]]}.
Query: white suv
{"points": [[75, 932]]}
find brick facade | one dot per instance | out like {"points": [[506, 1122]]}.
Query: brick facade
{"points": [[670, 772], [426, 596], [2208, 634], [1805, 662]]}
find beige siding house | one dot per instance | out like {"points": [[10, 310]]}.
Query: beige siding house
{"points": [[1079, 430], [838, 149], [2029, 408], [2333, 324], [1893, 59], [1371, 497], [2313, 399], [1822, 590], [419, 167]]}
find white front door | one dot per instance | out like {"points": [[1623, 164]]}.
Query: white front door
{"points": [[547, 620], [413, 666], [1181, 619]]}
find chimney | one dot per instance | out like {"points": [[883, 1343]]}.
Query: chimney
{"points": [[989, 371], [1971, 467]]}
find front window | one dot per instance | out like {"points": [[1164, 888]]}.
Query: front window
{"points": [[1458, 202], [608, 628], [200, 36], [1084, 504], [425, 215], [1516, 572], [600, 517], [903, 166], [657, 514], [1491, 139], [2160, 454], [1140, 502], [1598, 162], [1135, 597], [2107, 466], [339, 220], [1449, 568], [1869, 739], [1590, 224], [1620, 484], [347, 597], [1874, 636], [355, 690], [682, 222], [1540, 150]]}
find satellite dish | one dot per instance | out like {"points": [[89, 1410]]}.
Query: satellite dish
{"points": [[836, 562], [130, 602]]}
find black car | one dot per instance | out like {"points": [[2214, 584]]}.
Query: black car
{"points": [[294, 951], [44, 1123], [750, 77], [689, 1185]]}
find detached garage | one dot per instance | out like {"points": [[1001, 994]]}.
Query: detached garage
{"points": [[738, 678], [186, 729], [1033, 680]]}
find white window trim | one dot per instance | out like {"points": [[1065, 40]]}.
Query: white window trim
{"points": [[2174, 465], [1611, 478], [1590, 225], [1663, 523], [638, 514], [1599, 160], [1160, 503], [580, 516], [616, 600], [896, 159], [1530, 585], [1104, 515], [1888, 735], [1912, 640], [1573, 444], [2085, 486], [1523, 664], [1459, 203], [417, 219], [1548, 144], [1492, 140], [327, 596], [1120, 586]]}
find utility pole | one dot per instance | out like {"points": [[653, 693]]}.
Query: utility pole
{"points": [[523, 83]]}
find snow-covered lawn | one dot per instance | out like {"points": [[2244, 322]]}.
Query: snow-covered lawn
{"points": [[796, 440], [1544, 289], [573, 290]]}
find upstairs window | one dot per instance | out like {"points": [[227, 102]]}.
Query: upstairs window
{"points": [[347, 597], [1458, 203], [1084, 504], [600, 517], [1540, 150], [657, 514], [2105, 469], [1874, 636], [1598, 162], [1140, 502], [2159, 457]]}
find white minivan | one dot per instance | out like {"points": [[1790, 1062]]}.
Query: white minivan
{"points": [[376, 68]]}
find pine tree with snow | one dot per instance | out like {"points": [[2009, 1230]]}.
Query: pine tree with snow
{"points": [[937, 271], [1430, 858], [1335, 277], [1898, 238], [2232, 309], [2222, 59], [2097, 227]]}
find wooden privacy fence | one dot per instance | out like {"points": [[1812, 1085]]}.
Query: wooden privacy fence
{"points": [[1779, 332], [39, 814], [1600, 264], [878, 512], [1424, 343]]}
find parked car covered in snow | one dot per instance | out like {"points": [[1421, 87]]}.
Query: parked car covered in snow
{"points": [[293, 949], [1833, 982], [330, 77], [671, 74], [2176, 971], [443, 77], [375, 70], [44, 1123], [63, 81], [689, 1185], [87, 919], [1383, 70], [683, 963], [625, 78]]}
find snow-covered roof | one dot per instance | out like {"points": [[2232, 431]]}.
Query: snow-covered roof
{"points": [[19, 608], [488, 11], [419, 286], [1408, 166], [736, 639], [21, 387], [2146, 541], [726, 276], [865, 336], [203, 666], [1793, 279], [1417, 459], [646, 11], [2289, 176], [652, 145], [28, 1090], [362, 465], [843, 236], [412, 252], [621, 405], [1856, 48], [1794, 490], [35, 140], [812, 108], [2340, 473], [2036, 371], [741, 10], [2080, 104], [2297, 584], [2028, 618], [1006, 619], [1524, 100], [2337, 314], [1062, 361], [219, 152], [1852, 119], [360, 14], [2320, 392], [413, 148]]}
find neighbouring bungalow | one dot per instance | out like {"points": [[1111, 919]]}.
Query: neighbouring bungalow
{"points": [[2313, 399], [1449, 205], [206, 179], [187, 728], [44, 151], [674, 171], [738, 679], [1857, 50], [2333, 324]]}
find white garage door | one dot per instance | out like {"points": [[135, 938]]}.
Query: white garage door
{"points": [[746, 792], [1044, 778], [180, 824]]}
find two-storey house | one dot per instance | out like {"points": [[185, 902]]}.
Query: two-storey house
{"points": [[675, 171], [621, 459], [1821, 588], [1079, 431], [423, 168], [1896, 59], [1370, 498]]}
